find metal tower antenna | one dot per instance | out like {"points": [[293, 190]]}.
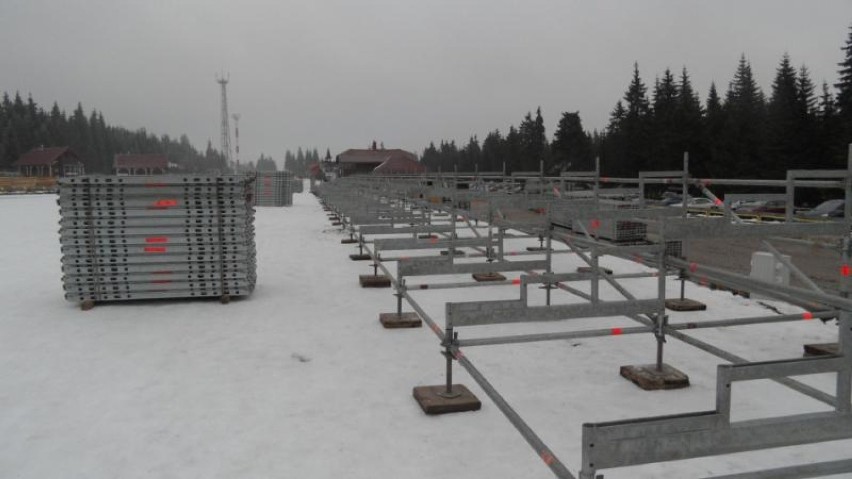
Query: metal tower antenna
{"points": [[226, 129], [236, 117]]}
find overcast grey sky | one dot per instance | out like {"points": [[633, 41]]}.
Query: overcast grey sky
{"points": [[340, 73]]}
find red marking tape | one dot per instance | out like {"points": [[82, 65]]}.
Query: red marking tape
{"points": [[165, 203], [595, 224], [459, 355], [157, 239], [845, 270], [706, 182], [433, 240], [155, 249], [516, 281], [693, 267], [604, 179], [436, 328], [807, 315], [617, 331], [717, 202], [547, 457], [703, 281]]}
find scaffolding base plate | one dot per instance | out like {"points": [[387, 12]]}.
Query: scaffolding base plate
{"points": [[87, 305], [482, 277], [589, 269], [360, 257], [823, 349], [372, 281], [685, 304], [348, 241], [647, 377], [430, 400], [398, 321]]}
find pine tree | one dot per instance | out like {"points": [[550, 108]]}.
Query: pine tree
{"points": [[714, 126], [572, 146], [689, 121], [744, 135], [492, 152], [664, 124], [844, 91], [635, 128], [784, 137]]}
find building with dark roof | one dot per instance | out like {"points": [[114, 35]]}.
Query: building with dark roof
{"points": [[56, 161], [365, 162], [133, 164]]}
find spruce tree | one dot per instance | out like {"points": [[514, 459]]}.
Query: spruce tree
{"points": [[572, 147], [664, 124], [689, 121], [844, 91], [784, 136], [744, 135]]}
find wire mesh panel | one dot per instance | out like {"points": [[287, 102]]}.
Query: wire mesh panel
{"points": [[274, 188], [155, 237]]}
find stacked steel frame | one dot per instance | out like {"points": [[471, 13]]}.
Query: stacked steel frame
{"points": [[126, 238], [274, 189]]}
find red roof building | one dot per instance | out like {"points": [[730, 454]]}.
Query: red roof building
{"points": [[365, 162], [129, 164], [57, 161]]}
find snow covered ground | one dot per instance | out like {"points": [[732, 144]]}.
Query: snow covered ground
{"points": [[301, 381]]}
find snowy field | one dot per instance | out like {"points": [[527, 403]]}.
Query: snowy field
{"points": [[301, 381]]}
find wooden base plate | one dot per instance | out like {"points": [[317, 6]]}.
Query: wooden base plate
{"points": [[647, 377], [398, 321], [432, 402]]}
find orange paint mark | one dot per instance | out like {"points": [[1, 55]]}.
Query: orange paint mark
{"points": [[165, 203]]}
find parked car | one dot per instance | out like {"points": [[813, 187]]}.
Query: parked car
{"points": [[697, 203], [774, 207], [826, 209]]}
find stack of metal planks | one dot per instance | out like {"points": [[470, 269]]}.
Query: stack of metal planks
{"points": [[274, 188], [150, 237]]}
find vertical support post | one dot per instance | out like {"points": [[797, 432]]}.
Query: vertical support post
{"points": [[685, 186], [596, 185], [500, 247], [597, 273], [844, 336], [791, 194], [723, 391], [661, 314], [549, 259], [449, 338]]}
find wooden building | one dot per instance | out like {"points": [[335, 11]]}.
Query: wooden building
{"points": [[377, 161], [50, 162]]}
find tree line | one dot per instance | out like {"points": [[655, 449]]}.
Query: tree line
{"points": [[300, 162], [25, 125], [740, 133]]}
